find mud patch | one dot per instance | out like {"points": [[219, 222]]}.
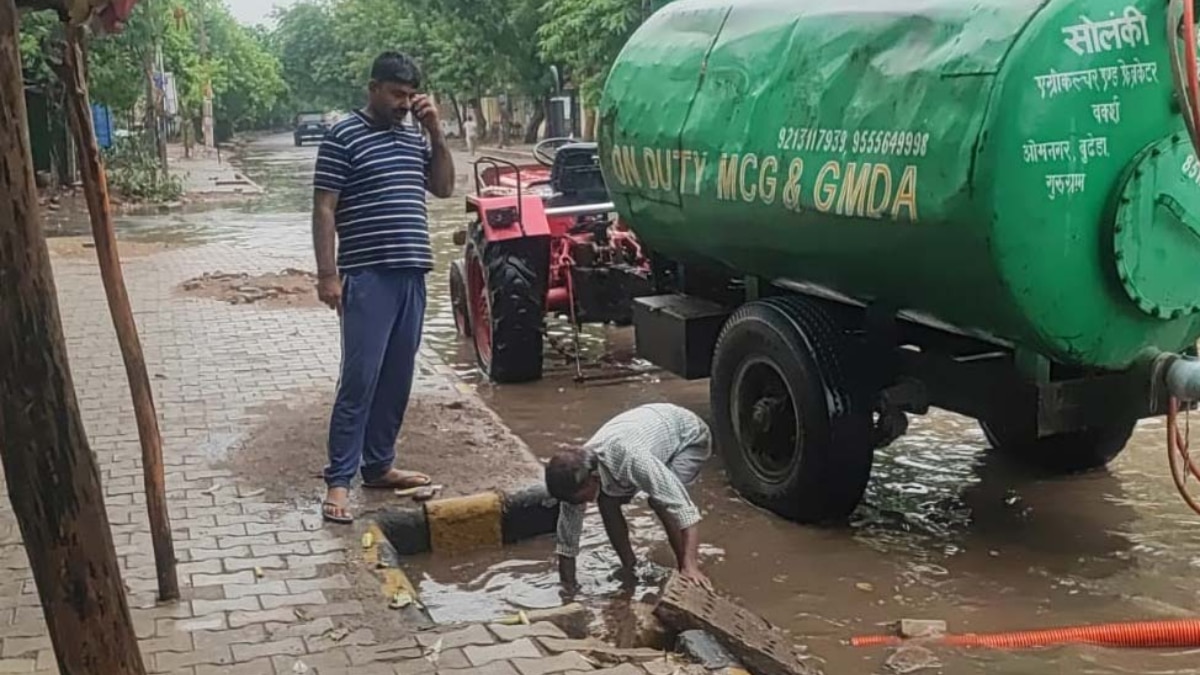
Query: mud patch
{"points": [[450, 436], [76, 248], [288, 288]]}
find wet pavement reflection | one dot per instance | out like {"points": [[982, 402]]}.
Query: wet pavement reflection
{"points": [[946, 530]]}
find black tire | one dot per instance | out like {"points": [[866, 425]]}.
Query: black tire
{"points": [[458, 298], [815, 460], [515, 278], [298, 142], [1061, 454]]}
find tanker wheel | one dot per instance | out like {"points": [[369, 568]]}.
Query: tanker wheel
{"points": [[458, 298], [1061, 454], [505, 311], [794, 439]]}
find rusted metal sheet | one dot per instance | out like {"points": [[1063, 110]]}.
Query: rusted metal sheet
{"points": [[760, 645]]}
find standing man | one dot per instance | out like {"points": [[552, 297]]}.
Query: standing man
{"points": [[657, 449], [371, 236], [469, 131]]}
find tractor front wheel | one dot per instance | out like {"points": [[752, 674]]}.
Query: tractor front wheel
{"points": [[459, 303], [506, 298]]}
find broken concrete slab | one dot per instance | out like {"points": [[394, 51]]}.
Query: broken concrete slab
{"points": [[598, 649], [761, 646]]}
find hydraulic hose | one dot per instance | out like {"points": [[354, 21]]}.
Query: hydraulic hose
{"points": [[1176, 633]]}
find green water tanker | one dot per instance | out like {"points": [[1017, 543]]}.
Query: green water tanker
{"points": [[860, 209]]}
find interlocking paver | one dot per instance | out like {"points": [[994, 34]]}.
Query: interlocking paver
{"points": [[478, 656], [471, 635], [540, 629], [565, 662], [247, 652]]}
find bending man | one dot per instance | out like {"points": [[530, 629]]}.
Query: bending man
{"points": [[657, 449]]}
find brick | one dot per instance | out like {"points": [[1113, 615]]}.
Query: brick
{"points": [[176, 642], [256, 667], [200, 567], [384, 652], [302, 535], [523, 648], [471, 635], [17, 665], [19, 646], [211, 553], [623, 669], [240, 590], [493, 668], [567, 661], [173, 661], [541, 629], [201, 580], [245, 540], [268, 562], [334, 583], [328, 544], [208, 639], [294, 548], [279, 631], [282, 615], [319, 643], [331, 558], [309, 598], [206, 607], [247, 652], [321, 663]]}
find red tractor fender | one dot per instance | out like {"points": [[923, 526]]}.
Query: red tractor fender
{"points": [[503, 219]]}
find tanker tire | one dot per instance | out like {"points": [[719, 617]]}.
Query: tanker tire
{"points": [[1061, 454], [791, 343], [458, 298], [516, 313]]}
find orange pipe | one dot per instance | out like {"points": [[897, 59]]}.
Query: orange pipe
{"points": [[1140, 634]]}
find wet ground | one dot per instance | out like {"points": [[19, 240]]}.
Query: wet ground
{"points": [[945, 531]]}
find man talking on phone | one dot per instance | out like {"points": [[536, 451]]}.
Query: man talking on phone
{"points": [[371, 236]]}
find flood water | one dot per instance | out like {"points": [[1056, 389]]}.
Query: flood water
{"points": [[945, 531]]}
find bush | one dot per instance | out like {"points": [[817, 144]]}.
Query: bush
{"points": [[133, 172]]}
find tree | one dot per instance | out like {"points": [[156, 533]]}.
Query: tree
{"points": [[313, 59], [587, 36]]}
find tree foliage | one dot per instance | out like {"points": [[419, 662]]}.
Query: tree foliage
{"points": [[586, 36]]}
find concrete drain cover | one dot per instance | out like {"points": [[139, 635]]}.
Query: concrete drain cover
{"points": [[761, 646]]}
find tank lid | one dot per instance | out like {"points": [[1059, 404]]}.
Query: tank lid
{"points": [[1157, 230]]}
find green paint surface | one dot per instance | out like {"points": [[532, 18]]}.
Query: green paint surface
{"points": [[963, 159]]}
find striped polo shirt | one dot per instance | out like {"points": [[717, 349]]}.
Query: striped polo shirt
{"points": [[380, 174]]}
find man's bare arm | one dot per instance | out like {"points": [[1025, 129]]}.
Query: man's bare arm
{"points": [[329, 287], [441, 170]]}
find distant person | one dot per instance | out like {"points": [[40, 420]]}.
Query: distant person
{"points": [[372, 174], [470, 128], [657, 449]]}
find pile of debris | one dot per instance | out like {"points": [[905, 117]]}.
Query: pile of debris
{"points": [[288, 288]]}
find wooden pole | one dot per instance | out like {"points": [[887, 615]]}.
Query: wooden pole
{"points": [[53, 482], [95, 188]]}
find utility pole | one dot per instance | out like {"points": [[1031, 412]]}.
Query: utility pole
{"points": [[207, 123], [53, 481]]}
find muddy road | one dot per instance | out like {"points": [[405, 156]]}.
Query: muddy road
{"points": [[945, 531]]}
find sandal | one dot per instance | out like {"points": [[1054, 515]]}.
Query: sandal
{"points": [[407, 479], [327, 512]]}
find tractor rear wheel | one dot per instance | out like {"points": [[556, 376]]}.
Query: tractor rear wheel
{"points": [[506, 299], [1060, 454], [458, 298], [794, 438]]}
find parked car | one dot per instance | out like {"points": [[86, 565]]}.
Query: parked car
{"points": [[310, 126]]}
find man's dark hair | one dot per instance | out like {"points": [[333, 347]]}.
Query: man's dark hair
{"points": [[567, 472], [396, 67]]}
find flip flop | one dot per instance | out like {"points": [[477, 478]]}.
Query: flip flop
{"points": [[331, 518], [411, 479]]}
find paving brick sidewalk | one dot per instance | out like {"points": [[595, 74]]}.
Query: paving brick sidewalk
{"points": [[263, 583]]}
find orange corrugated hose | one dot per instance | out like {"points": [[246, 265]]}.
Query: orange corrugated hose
{"points": [[1144, 634]]}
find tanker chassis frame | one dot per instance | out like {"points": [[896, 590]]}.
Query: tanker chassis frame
{"points": [[806, 383]]}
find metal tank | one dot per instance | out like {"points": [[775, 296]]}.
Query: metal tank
{"points": [[1018, 167]]}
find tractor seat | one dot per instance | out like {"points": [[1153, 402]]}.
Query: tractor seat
{"points": [[576, 178]]}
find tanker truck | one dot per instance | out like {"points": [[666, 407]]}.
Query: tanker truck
{"points": [[859, 210]]}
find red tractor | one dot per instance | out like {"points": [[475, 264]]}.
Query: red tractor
{"points": [[544, 239]]}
